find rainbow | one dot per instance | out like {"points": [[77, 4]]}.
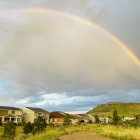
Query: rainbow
{"points": [[121, 44]]}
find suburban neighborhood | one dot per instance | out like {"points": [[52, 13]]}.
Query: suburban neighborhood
{"points": [[21, 123], [29, 114]]}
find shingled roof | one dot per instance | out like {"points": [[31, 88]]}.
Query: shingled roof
{"points": [[9, 108], [59, 114], [37, 109]]}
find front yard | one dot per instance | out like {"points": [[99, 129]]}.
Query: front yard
{"points": [[54, 133]]}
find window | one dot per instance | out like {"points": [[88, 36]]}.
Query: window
{"points": [[18, 119], [40, 113], [19, 112], [13, 111], [54, 120]]}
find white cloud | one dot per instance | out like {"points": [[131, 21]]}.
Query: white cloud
{"points": [[23, 101], [77, 103], [61, 101]]}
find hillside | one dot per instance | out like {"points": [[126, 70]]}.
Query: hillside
{"points": [[124, 109]]}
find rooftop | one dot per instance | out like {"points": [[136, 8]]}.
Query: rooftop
{"points": [[9, 107], [37, 109]]}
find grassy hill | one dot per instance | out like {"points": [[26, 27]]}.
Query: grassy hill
{"points": [[124, 109]]}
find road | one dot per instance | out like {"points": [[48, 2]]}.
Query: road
{"points": [[84, 135]]}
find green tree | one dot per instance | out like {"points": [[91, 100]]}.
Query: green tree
{"points": [[116, 118], [28, 128], [67, 120], [39, 124], [97, 119], [9, 130]]}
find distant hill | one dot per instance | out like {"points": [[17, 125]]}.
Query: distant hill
{"points": [[124, 109]]}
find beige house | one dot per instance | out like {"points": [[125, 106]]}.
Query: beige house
{"points": [[84, 118], [105, 119], [128, 118], [31, 113], [8, 113], [92, 118], [58, 117]]}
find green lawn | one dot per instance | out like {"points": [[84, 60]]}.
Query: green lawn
{"points": [[53, 133], [117, 133], [1, 130], [19, 130]]}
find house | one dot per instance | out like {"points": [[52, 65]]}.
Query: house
{"points": [[128, 118], [8, 113], [84, 118], [75, 118], [31, 113], [57, 117], [105, 119], [92, 118]]}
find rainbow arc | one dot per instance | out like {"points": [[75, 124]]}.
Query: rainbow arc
{"points": [[124, 47]]}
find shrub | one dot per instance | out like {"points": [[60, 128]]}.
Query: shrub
{"points": [[28, 128], [97, 119], [9, 130], [132, 123], [67, 120], [116, 119], [39, 124]]}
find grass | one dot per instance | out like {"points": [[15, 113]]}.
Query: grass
{"points": [[120, 133], [123, 109], [117, 133], [54, 132], [1, 130], [19, 130]]}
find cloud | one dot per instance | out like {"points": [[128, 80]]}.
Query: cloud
{"points": [[50, 56], [62, 54], [57, 101], [121, 18], [78, 103]]}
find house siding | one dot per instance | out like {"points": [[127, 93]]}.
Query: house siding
{"points": [[56, 120], [8, 114], [30, 115]]}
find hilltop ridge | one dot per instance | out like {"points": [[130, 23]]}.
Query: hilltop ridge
{"points": [[124, 109]]}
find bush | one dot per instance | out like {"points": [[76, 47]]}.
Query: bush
{"points": [[97, 119], [132, 123], [67, 120], [116, 119], [39, 125], [9, 130], [28, 128]]}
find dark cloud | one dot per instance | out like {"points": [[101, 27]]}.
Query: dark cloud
{"points": [[37, 55]]}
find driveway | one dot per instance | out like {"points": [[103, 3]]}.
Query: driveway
{"points": [[83, 135]]}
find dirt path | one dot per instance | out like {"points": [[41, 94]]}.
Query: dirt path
{"points": [[85, 135]]}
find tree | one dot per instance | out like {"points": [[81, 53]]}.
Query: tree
{"points": [[9, 130], [97, 119], [116, 118], [28, 128], [67, 120], [39, 124]]}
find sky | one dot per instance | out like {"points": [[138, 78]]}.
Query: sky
{"points": [[65, 55]]}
